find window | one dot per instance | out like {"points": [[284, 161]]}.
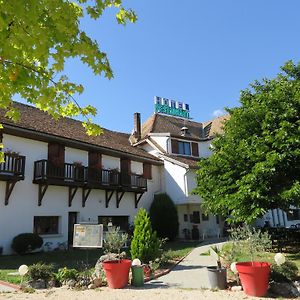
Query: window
{"points": [[46, 224], [205, 217], [293, 214], [184, 148], [217, 219], [196, 217], [147, 171], [185, 217], [119, 221]]}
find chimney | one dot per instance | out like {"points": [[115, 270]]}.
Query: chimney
{"points": [[137, 126]]}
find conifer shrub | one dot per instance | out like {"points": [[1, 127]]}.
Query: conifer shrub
{"points": [[164, 217], [145, 244], [26, 242]]}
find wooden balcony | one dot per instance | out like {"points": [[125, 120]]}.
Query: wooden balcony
{"points": [[65, 174], [133, 182], [102, 178], [13, 168], [88, 178]]}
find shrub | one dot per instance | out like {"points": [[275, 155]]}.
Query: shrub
{"points": [[145, 244], [164, 217], [114, 241], [40, 271], [285, 272], [65, 274], [26, 242]]}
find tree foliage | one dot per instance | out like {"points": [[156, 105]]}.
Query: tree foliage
{"points": [[37, 37], [164, 216], [255, 165], [145, 244]]}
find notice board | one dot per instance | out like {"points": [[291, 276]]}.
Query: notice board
{"points": [[88, 236]]}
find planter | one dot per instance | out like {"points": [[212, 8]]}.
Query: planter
{"points": [[217, 277], [147, 271], [137, 276], [117, 273], [254, 277]]}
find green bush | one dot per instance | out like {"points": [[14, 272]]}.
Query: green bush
{"points": [[40, 271], [26, 242], [65, 274], [164, 217], [145, 244], [285, 272]]}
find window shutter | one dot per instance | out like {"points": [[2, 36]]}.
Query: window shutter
{"points": [[56, 153], [147, 171], [95, 159], [195, 149], [174, 144]]}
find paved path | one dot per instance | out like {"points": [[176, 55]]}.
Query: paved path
{"points": [[5, 287], [191, 272]]}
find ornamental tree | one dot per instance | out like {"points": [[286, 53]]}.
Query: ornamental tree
{"points": [[255, 164], [145, 244], [36, 38]]}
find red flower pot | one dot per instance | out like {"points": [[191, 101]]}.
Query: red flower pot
{"points": [[117, 273], [254, 277]]}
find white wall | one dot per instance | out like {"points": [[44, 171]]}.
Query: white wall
{"points": [[204, 149], [162, 141], [17, 216]]}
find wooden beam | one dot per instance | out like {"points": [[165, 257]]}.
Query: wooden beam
{"points": [[72, 192], [137, 198], [108, 195], [85, 195], [119, 197], [42, 190], [9, 188]]}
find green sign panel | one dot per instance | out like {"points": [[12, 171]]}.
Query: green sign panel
{"points": [[173, 111]]}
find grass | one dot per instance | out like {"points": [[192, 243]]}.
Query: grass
{"points": [[77, 259]]}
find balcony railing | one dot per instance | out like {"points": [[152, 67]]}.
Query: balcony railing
{"points": [[44, 170], [92, 177], [134, 181], [102, 177], [13, 167]]}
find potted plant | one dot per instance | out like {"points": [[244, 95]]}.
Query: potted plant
{"points": [[116, 268], [254, 274], [217, 275]]}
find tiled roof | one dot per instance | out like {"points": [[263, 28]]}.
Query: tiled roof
{"points": [[215, 126], [192, 162], [159, 123], [38, 121]]}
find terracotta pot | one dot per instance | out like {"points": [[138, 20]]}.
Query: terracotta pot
{"points": [[254, 277], [117, 273]]}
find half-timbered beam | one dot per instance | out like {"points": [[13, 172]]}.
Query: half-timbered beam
{"points": [[9, 188], [108, 195], [85, 195], [137, 198], [72, 192], [119, 197], [42, 190]]}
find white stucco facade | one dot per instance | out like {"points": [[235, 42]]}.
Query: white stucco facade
{"points": [[18, 216]]}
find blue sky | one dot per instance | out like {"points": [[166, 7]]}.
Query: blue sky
{"points": [[202, 52]]}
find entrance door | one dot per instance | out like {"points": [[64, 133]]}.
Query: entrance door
{"points": [[72, 221]]}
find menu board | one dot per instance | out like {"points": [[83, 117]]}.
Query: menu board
{"points": [[88, 235]]}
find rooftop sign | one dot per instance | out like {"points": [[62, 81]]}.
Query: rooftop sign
{"points": [[171, 107]]}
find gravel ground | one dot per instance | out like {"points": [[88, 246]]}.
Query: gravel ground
{"points": [[148, 292]]}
